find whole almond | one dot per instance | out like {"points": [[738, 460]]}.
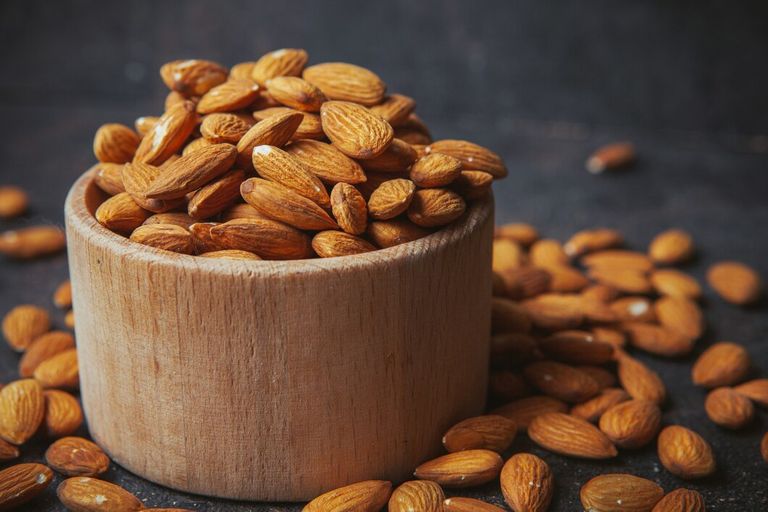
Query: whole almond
{"points": [[685, 453], [85, 494], [42, 348], [232, 254], [735, 282], [76, 456], [516, 347], [571, 436], [192, 77], [490, 432], [527, 483], [389, 233], [671, 247], [241, 211], [330, 244], [230, 128], [473, 185], [192, 171], [469, 468], [204, 241], [347, 82], [115, 143], [524, 282], [283, 204], [620, 493], [600, 292], [681, 500], [168, 237], [461, 504], [137, 177], [32, 242], [59, 371], [435, 170], [22, 483], [108, 177], [631, 424], [625, 280], [547, 252], [326, 162], [395, 108], [657, 340], [519, 232], [508, 316], [609, 335], [227, 97], [8, 451], [216, 196], [524, 410], [610, 157], [417, 496], [62, 296], [756, 390], [591, 240], [554, 312], [639, 381], [168, 135], [634, 308], [593, 409], [722, 364], [63, 414], [618, 259], [283, 62], [22, 406], [367, 496], [397, 158], [604, 378], [680, 315], [267, 238], [121, 214], [144, 124], [349, 208], [13, 201], [729, 409], [675, 284], [391, 199], [508, 255], [69, 319], [432, 207], [566, 279], [23, 324], [506, 385], [355, 130], [310, 127], [296, 93], [576, 347], [275, 130], [472, 156], [561, 381], [276, 165]]}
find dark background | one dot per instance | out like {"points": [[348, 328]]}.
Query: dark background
{"points": [[542, 83]]}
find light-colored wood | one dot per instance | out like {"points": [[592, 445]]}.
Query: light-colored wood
{"points": [[268, 380]]}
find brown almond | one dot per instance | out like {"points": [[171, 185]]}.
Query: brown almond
{"points": [[576, 347], [227, 97], [680, 315], [722, 364], [367, 496], [330, 244], [527, 483], [229, 128], [22, 483], [13, 202], [600, 292], [354, 130], [144, 124], [603, 377], [310, 126], [610, 157], [609, 335], [42, 348], [349, 208], [241, 211], [554, 312], [283, 204], [389, 233], [618, 259], [508, 255], [506, 385], [23, 324], [685, 453], [571, 436], [435, 170], [639, 381], [756, 390], [524, 410], [519, 232], [489, 432], [675, 284], [432, 207], [620, 493], [508, 316], [168, 237], [268, 239], [472, 156], [283, 62], [625, 280], [524, 282], [516, 347], [115, 143], [192, 171], [232, 254], [473, 185], [397, 158], [168, 135], [681, 500], [461, 504], [671, 247], [137, 177], [121, 214], [295, 92], [62, 296], [735, 282], [69, 319], [326, 162], [277, 166], [347, 82], [566, 279], [85, 494], [8, 451], [59, 371], [634, 308], [729, 409], [417, 495], [395, 108], [391, 198], [108, 177], [193, 77], [76, 456], [216, 196], [561, 381], [22, 407], [593, 409], [657, 340], [631, 424], [591, 240], [63, 414], [32, 242], [547, 252], [275, 130], [469, 468]]}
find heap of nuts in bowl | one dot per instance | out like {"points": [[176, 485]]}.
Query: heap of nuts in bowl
{"points": [[274, 159]]}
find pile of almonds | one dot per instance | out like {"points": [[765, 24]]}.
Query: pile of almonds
{"points": [[274, 159]]}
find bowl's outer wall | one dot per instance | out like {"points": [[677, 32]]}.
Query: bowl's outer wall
{"points": [[262, 381]]}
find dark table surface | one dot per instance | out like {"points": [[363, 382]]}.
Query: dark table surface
{"points": [[541, 84]]}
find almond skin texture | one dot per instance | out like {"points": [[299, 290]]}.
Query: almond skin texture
{"points": [[729, 409], [593, 409], [168, 135], [32, 242], [108, 177], [349, 208], [275, 131], [367, 496], [347, 82], [13, 202], [283, 204], [671, 247], [115, 143], [283, 62], [722, 364], [756, 390], [326, 162], [469, 468], [524, 410], [63, 414], [330, 244], [590, 240], [395, 108], [216, 196], [435, 170], [59, 371], [296, 93], [121, 214], [398, 157], [276, 165], [23, 324], [22, 483], [675, 284], [561, 381], [44, 347], [473, 184], [85, 494], [685, 453], [217, 128], [310, 127], [735, 282], [192, 77], [680, 315], [681, 500], [168, 237], [75, 456], [631, 424], [266, 238], [192, 171], [639, 381], [460, 504], [354, 130], [620, 493], [137, 178], [433, 207], [472, 156], [417, 496], [391, 199], [571, 436], [389, 233], [489, 432], [22, 406], [8, 451], [227, 97], [527, 483]]}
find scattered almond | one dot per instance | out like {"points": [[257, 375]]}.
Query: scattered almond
{"points": [[675, 284], [729, 409], [631, 424], [524, 410], [63, 414], [75, 456], [467, 468], [681, 500], [491, 432], [367, 496], [756, 390], [13, 201], [671, 247], [680, 315], [22, 406], [735, 282], [639, 381], [685, 453], [561, 381], [23, 324], [722, 364], [32, 242], [59, 371], [460, 504], [591, 240], [42, 348], [593, 409], [22, 483], [620, 493], [85, 494], [417, 495], [527, 483], [571, 436], [611, 157]]}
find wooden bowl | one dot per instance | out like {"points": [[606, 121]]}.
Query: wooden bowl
{"points": [[278, 380]]}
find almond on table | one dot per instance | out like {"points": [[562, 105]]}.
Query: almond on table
{"points": [[13, 201]]}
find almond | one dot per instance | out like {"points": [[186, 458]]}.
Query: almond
{"points": [[310, 127], [22, 407], [729, 409], [517, 347], [168, 237], [75, 456], [13, 202], [283, 204], [618, 259], [241, 211], [634, 309], [680, 315], [571, 436], [507, 385], [330, 244], [417, 496], [275, 130], [367, 496], [137, 178], [467, 468], [121, 214], [59, 371], [524, 410], [657, 340], [460, 504], [681, 500], [685, 453], [620, 493], [216, 196], [600, 292], [192, 77], [609, 335], [611, 157], [566, 279], [591, 240], [508, 255], [115, 143], [395, 108], [576, 347], [473, 184], [519, 232], [267, 238], [230, 128], [547, 252], [192, 171], [349, 208], [63, 414], [722, 364], [69, 319], [527, 483], [347, 82], [108, 177], [22, 483], [227, 97], [42, 348], [398, 157], [473, 156], [391, 199], [435, 170], [32, 242], [639, 381], [202, 238], [432, 207], [280, 167], [168, 135], [144, 124], [561, 381], [603, 377], [508, 316], [675, 284], [23, 324], [554, 312], [296, 93], [85, 494], [389, 233], [283, 62], [631, 424], [624, 280], [354, 130], [8, 451], [671, 247], [326, 162], [62, 296], [593, 409], [735, 282], [756, 390], [232, 254], [490, 432], [526, 282]]}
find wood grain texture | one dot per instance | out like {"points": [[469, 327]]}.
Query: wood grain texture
{"points": [[270, 380]]}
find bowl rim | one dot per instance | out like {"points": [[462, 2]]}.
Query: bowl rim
{"points": [[80, 219]]}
